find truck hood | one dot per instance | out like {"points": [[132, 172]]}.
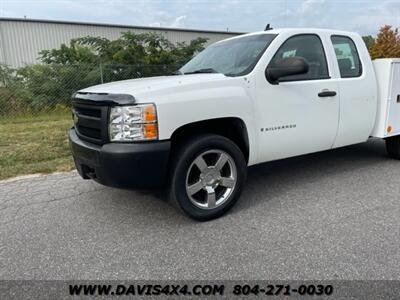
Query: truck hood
{"points": [[154, 88]]}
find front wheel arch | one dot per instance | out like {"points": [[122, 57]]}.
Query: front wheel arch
{"points": [[232, 128]]}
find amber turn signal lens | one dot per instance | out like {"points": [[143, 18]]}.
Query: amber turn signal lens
{"points": [[149, 114], [150, 131], [389, 129]]}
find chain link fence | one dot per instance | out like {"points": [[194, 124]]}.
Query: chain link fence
{"points": [[45, 89]]}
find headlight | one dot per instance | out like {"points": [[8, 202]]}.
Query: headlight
{"points": [[133, 123]]}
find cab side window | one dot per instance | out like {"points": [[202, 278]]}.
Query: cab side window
{"points": [[347, 56], [309, 47]]}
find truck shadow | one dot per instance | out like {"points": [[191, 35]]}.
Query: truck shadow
{"points": [[270, 180], [274, 178]]}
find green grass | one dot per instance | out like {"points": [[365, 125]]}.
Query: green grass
{"points": [[37, 144]]}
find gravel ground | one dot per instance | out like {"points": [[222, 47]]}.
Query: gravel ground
{"points": [[332, 215]]}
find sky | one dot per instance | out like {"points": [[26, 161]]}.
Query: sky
{"points": [[362, 16]]}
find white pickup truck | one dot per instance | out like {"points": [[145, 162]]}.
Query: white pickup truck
{"points": [[242, 101]]}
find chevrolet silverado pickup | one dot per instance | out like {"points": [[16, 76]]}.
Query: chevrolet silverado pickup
{"points": [[246, 100]]}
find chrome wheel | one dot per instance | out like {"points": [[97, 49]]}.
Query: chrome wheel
{"points": [[211, 179]]}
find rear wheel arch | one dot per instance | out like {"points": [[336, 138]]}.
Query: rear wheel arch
{"points": [[393, 146]]}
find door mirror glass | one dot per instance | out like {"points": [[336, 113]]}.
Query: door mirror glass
{"points": [[286, 67]]}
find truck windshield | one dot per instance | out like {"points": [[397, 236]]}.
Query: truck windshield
{"points": [[233, 57]]}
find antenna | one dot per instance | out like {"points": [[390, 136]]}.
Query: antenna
{"points": [[268, 27]]}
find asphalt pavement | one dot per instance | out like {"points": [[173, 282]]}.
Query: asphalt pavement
{"points": [[331, 215]]}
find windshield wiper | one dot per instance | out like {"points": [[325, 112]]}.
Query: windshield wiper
{"points": [[202, 71], [177, 72]]}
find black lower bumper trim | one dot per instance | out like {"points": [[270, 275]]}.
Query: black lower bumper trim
{"points": [[132, 165]]}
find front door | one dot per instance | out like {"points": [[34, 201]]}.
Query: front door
{"points": [[300, 114]]}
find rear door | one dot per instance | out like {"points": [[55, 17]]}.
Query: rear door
{"points": [[300, 114], [357, 87]]}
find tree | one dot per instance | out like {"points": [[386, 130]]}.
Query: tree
{"points": [[369, 41], [67, 55], [89, 61], [130, 56], [53, 84], [13, 95], [6, 75], [129, 49], [387, 43]]}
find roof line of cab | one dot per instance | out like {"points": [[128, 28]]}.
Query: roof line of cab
{"points": [[294, 31]]}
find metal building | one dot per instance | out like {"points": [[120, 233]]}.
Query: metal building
{"points": [[22, 39]]}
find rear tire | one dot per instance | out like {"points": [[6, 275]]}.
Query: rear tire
{"points": [[208, 175], [393, 146]]}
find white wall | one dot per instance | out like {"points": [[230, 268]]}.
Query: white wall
{"points": [[22, 40]]}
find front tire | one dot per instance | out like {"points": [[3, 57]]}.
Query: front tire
{"points": [[208, 176], [393, 146]]}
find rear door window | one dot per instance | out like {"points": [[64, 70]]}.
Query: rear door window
{"points": [[347, 56]]}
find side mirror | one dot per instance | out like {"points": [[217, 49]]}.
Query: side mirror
{"points": [[286, 67]]}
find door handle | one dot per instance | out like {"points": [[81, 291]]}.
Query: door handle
{"points": [[327, 94]]}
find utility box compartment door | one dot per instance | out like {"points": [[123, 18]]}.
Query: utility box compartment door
{"points": [[393, 119], [387, 121]]}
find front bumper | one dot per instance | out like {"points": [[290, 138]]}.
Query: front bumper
{"points": [[127, 165]]}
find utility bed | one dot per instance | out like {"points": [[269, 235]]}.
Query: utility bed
{"points": [[388, 112]]}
